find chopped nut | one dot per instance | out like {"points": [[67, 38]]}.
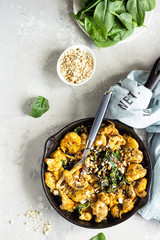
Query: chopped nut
{"points": [[11, 222], [47, 228]]}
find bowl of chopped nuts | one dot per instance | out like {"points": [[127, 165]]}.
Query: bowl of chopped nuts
{"points": [[76, 65]]}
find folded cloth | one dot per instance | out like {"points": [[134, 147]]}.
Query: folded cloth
{"points": [[138, 107]]}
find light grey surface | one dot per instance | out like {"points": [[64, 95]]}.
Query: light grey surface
{"points": [[32, 36]]}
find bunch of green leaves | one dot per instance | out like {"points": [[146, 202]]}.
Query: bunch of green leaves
{"points": [[114, 178], [110, 21], [40, 106]]}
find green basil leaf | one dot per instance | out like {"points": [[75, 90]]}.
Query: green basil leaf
{"points": [[95, 29], [40, 106], [149, 5], [137, 9], [99, 236]]}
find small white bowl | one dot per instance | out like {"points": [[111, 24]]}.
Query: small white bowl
{"points": [[85, 48]]}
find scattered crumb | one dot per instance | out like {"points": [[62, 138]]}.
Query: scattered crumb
{"points": [[32, 214], [11, 222], [19, 215], [26, 223], [47, 228], [36, 229], [40, 213]]}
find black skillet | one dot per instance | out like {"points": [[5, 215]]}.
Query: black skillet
{"points": [[53, 142]]}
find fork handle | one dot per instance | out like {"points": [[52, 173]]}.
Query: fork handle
{"points": [[98, 118]]}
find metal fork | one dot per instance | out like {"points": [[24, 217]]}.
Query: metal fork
{"points": [[96, 125]]}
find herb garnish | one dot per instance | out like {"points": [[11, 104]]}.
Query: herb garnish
{"points": [[63, 162], [82, 205], [114, 178], [77, 129]]}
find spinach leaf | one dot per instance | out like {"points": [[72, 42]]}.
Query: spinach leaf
{"points": [[95, 29], [100, 11], [99, 236], [86, 9], [119, 32], [84, 205], [149, 5], [137, 9], [40, 106], [104, 44], [84, 3], [117, 7], [125, 19], [81, 21]]}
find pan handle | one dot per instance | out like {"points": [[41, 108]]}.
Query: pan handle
{"points": [[154, 76]]}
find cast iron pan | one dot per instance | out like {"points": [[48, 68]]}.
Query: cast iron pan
{"points": [[53, 142]]}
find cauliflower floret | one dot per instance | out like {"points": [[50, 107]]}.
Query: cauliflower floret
{"points": [[141, 187], [115, 211], [71, 142], [104, 197], [128, 205], [76, 179], [84, 138], [135, 171], [130, 142], [55, 164], [100, 210], [56, 161], [86, 216], [100, 140], [131, 151], [67, 204], [130, 191], [50, 180], [109, 130], [81, 195], [115, 142]]}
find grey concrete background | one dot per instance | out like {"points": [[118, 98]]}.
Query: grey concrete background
{"points": [[33, 34]]}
